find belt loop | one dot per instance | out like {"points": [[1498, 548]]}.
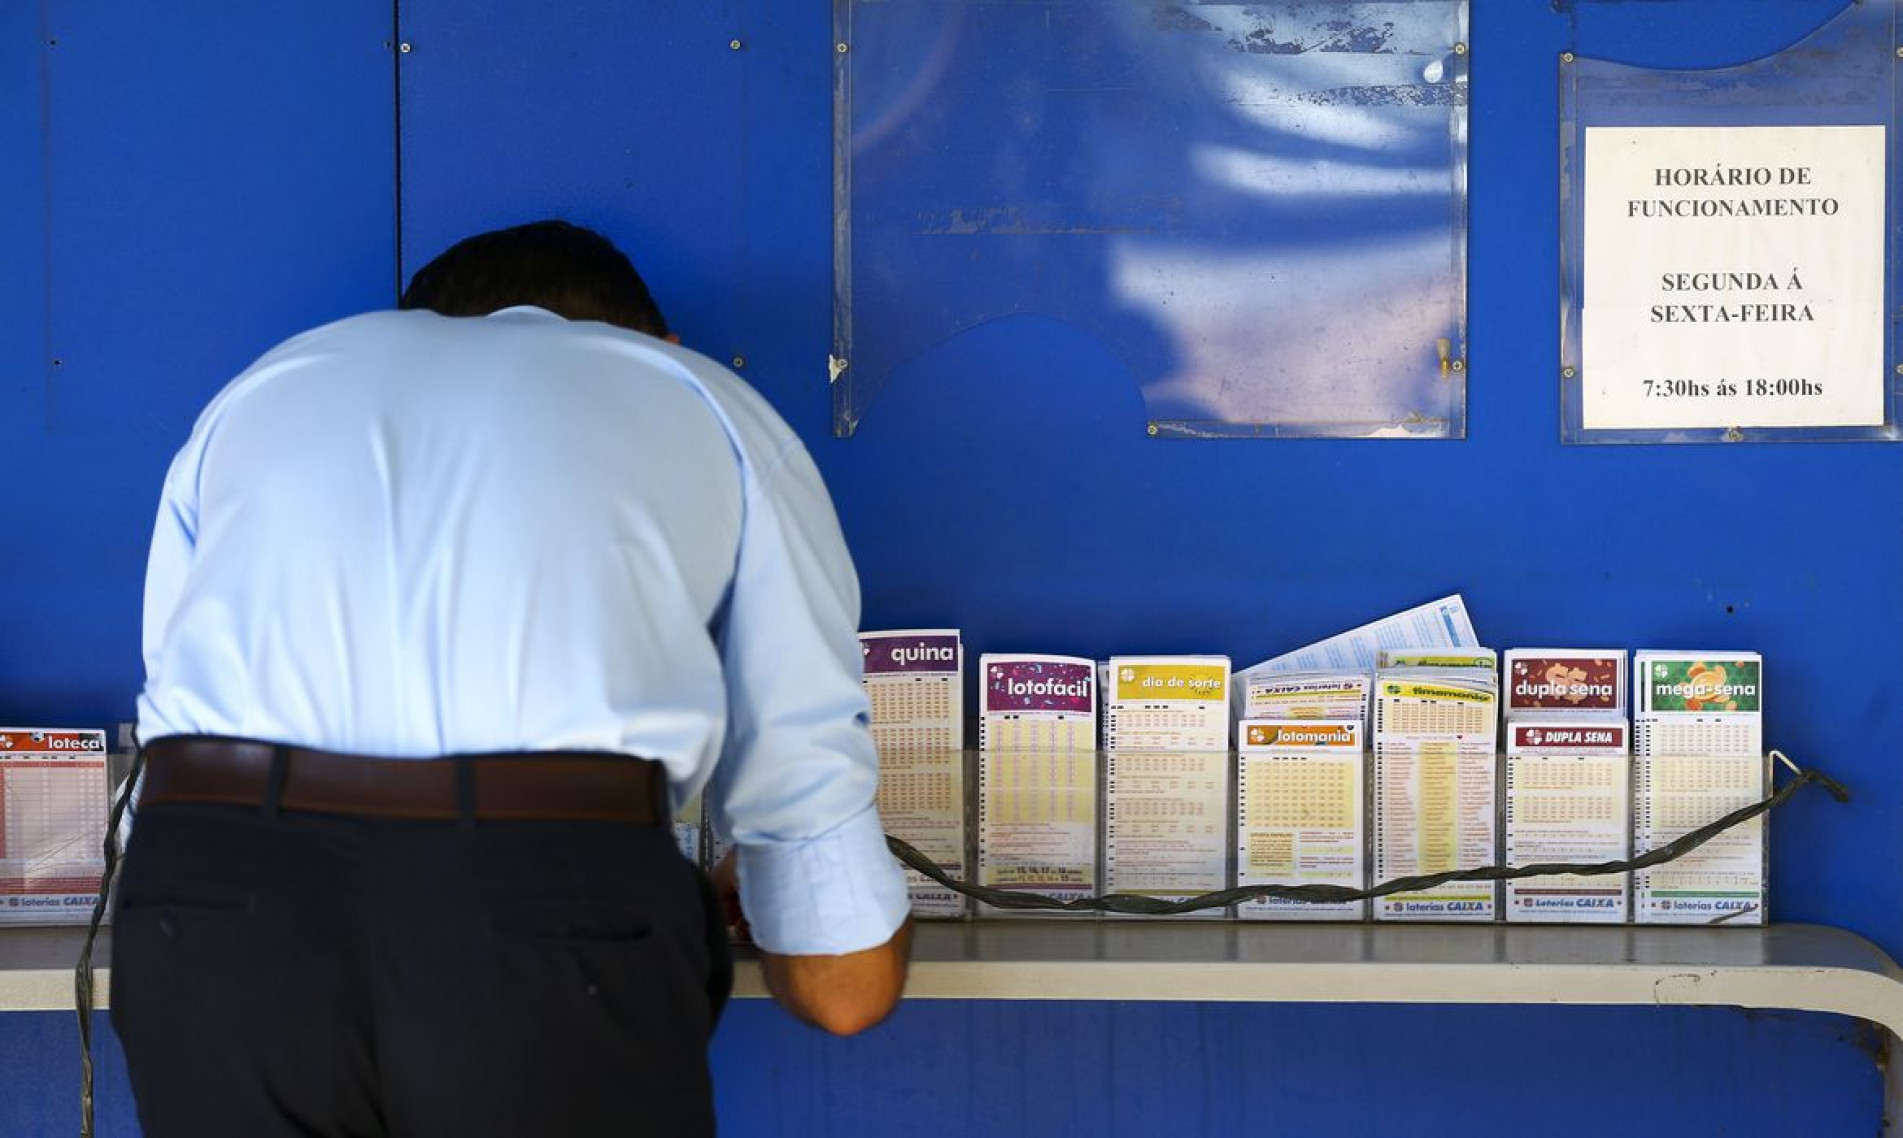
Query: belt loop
{"points": [[274, 781], [465, 772]]}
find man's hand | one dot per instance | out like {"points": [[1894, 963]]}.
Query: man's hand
{"points": [[726, 879], [843, 994]]}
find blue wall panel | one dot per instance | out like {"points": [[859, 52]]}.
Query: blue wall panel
{"points": [[199, 182], [629, 119], [1136, 1070], [39, 1078]]}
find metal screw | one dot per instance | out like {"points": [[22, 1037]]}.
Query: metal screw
{"points": [[734, 44], [1459, 365], [1899, 369], [1733, 435], [1567, 372], [1899, 53], [1151, 429], [842, 47], [739, 362], [1460, 49], [404, 48], [1565, 57]]}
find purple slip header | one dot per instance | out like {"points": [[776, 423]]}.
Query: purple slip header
{"points": [[887, 654], [1034, 685]]}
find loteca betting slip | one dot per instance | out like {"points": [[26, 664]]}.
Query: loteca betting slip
{"points": [[53, 803]]}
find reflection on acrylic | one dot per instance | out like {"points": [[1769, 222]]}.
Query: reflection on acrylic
{"points": [[1260, 208]]}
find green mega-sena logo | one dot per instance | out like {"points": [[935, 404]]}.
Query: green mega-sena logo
{"points": [[1707, 685]]}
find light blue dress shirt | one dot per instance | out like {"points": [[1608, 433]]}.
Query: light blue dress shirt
{"points": [[409, 535]]}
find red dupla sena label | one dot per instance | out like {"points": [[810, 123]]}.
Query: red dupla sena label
{"points": [[1569, 738], [1572, 681]]}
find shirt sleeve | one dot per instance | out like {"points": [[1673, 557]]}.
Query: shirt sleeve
{"points": [[795, 786], [174, 540]]}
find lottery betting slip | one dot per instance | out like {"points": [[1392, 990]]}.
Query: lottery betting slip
{"points": [[1438, 624], [1568, 799], [1435, 731], [922, 802], [1037, 824], [53, 803], [1037, 703], [1481, 659], [1306, 695], [689, 824], [1300, 814], [1166, 824], [1698, 744], [1167, 703], [915, 682]]}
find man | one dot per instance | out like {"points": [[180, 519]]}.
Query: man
{"points": [[444, 607]]}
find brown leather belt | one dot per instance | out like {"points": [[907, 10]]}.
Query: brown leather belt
{"points": [[550, 785]]}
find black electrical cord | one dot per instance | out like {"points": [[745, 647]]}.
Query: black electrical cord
{"points": [[83, 973], [1152, 907]]}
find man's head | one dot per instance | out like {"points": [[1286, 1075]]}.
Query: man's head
{"points": [[572, 272]]}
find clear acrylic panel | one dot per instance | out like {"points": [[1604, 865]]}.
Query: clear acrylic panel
{"points": [[1745, 279], [1261, 208]]}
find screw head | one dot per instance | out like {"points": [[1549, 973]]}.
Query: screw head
{"points": [[1567, 372], [1565, 57], [1460, 49], [739, 362], [842, 47], [1150, 430], [1459, 365], [404, 48], [1733, 435], [734, 45]]}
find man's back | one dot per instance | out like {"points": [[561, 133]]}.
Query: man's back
{"points": [[417, 535], [443, 607]]}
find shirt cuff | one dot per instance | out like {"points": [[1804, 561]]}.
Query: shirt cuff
{"points": [[840, 892]]}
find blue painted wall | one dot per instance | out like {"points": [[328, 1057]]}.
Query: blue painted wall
{"points": [[189, 183]]}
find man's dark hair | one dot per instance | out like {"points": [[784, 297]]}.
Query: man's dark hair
{"points": [[570, 271]]}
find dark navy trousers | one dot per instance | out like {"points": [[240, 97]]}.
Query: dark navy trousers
{"points": [[332, 976]]}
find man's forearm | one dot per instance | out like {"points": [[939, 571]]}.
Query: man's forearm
{"points": [[842, 994]]}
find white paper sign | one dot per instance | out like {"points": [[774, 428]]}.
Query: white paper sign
{"points": [[1733, 277]]}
